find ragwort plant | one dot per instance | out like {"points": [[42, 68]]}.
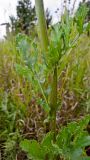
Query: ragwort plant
{"points": [[64, 37]]}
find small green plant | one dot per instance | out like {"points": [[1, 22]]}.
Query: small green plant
{"points": [[70, 143]]}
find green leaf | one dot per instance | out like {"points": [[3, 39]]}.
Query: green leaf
{"points": [[83, 141], [23, 71], [49, 148], [47, 140], [73, 139], [32, 148], [76, 154], [23, 45]]}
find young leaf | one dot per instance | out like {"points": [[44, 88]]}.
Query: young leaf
{"points": [[32, 148]]}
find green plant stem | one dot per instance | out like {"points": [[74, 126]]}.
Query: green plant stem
{"points": [[44, 42], [43, 93], [53, 103], [42, 27]]}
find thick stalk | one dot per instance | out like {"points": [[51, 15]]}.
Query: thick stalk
{"points": [[44, 42], [53, 103], [42, 27]]}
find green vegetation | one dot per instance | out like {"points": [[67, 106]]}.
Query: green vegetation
{"points": [[45, 91], [70, 144]]}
